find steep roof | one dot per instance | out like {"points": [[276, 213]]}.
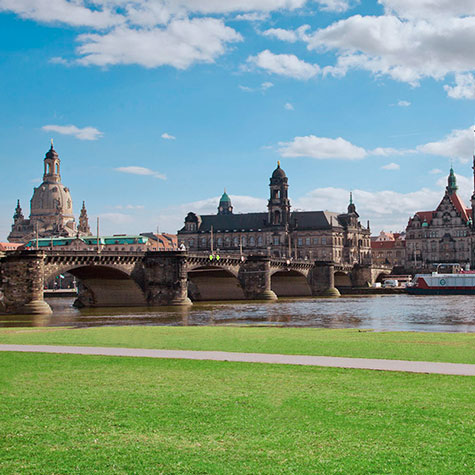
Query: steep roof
{"points": [[459, 206]]}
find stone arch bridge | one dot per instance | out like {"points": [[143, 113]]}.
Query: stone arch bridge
{"points": [[112, 278]]}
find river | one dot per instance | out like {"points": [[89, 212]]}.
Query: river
{"points": [[381, 313]]}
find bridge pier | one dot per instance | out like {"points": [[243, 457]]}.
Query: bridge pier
{"points": [[22, 282], [166, 280], [255, 278], [322, 280]]}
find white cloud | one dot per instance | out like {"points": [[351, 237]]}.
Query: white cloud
{"points": [[86, 133], [73, 13], [134, 170], [288, 106], [457, 144], [253, 16], [245, 88], [386, 209], [464, 87], [181, 44], [405, 50], [167, 136], [391, 166], [281, 34], [423, 9], [402, 103], [284, 64], [266, 85], [435, 171], [59, 60], [321, 148]]}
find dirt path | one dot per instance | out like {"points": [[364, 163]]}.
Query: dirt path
{"points": [[329, 361]]}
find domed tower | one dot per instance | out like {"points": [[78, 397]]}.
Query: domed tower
{"points": [[225, 206], [279, 203], [51, 207], [473, 195], [451, 183]]}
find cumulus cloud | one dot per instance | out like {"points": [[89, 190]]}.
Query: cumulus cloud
{"points": [[73, 13], [284, 65], [423, 9], [281, 34], [288, 106], [391, 166], [180, 44], [253, 16], [167, 136], [457, 144], [464, 87], [86, 133], [386, 209], [134, 170], [405, 50], [403, 103], [266, 85], [321, 148]]}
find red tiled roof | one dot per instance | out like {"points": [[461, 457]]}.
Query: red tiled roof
{"points": [[459, 206], [425, 216]]}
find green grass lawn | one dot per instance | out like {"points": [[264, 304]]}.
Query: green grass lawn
{"points": [[66, 414], [447, 347]]}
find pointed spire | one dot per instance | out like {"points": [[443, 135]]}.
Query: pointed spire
{"points": [[52, 144], [278, 163], [83, 227], [452, 182], [351, 197]]}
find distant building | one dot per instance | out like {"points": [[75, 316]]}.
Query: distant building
{"points": [[51, 208], [443, 235], [280, 232], [389, 249], [161, 242]]}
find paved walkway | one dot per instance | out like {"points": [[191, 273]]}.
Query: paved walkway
{"points": [[329, 361]]}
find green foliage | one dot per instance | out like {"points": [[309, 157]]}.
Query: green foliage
{"points": [[88, 414], [447, 347]]}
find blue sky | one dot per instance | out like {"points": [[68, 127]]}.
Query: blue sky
{"points": [[156, 106]]}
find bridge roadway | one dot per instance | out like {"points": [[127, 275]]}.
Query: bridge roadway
{"points": [[120, 278]]}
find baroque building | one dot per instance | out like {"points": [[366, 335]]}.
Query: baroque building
{"points": [[389, 249], [444, 235], [51, 208], [280, 232]]}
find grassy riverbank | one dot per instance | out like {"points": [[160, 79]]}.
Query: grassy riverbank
{"points": [[445, 347], [88, 414]]}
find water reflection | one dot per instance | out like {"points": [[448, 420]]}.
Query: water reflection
{"points": [[385, 312]]}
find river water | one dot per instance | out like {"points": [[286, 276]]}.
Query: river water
{"points": [[381, 313]]}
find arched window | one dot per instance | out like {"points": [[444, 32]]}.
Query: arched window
{"points": [[220, 241], [203, 242], [244, 241], [57, 168], [276, 217], [260, 241], [227, 242], [236, 242], [252, 241], [191, 242]]}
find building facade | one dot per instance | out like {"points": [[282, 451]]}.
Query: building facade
{"points": [[51, 208], [445, 235], [279, 232], [389, 249]]}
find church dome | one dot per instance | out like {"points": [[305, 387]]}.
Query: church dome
{"points": [[278, 172], [51, 199]]}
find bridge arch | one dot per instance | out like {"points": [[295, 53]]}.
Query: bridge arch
{"points": [[290, 283], [102, 285], [214, 282], [342, 279]]}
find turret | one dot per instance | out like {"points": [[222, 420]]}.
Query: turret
{"points": [[451, 183], [225, 206], [51, 166], [83, 227], [473, 194], [279, 203], [18, 216]]}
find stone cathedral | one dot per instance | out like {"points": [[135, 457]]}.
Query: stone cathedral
{"points": [[51, 208], [280, 232]]}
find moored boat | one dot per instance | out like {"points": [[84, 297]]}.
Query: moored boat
{"points": [[462, 283]]}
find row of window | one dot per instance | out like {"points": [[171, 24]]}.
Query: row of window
{"points": [[435, 234]]}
